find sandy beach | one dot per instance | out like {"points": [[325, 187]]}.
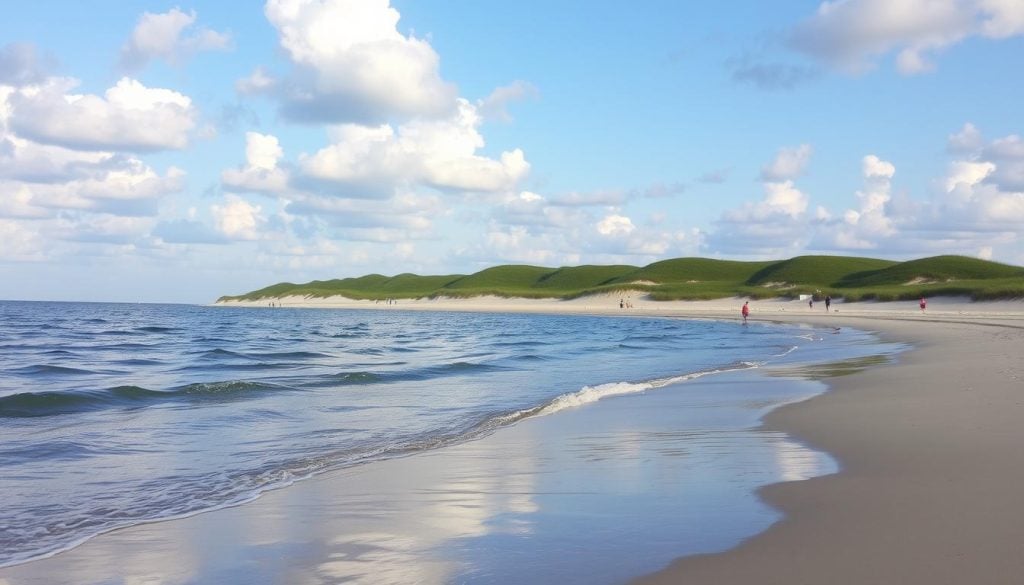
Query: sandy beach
{"points": [[929, 451]]}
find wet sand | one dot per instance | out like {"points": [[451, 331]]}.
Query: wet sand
{"points": [[932, 456]]}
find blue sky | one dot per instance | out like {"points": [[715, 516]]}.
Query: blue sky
{"points": [[178, 152]]}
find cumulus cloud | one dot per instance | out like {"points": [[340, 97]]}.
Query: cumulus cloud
{"points": [[1008, 155], [163, 36], [789, 163], [865, 227], [29, 161], [350, 64], [237, 219], [528, 227], [972, 210], [373, 161], [615, 225], [129, 116], [967, 140], [777, 225], [126, 187], [851, 35], [260, 173]]}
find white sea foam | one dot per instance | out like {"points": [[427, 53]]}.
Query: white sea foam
{"points": [[590, 394]]}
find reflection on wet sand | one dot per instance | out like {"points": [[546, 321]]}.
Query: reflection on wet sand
{"points": [[592, 495]]}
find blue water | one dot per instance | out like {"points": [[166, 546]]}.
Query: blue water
{"points": [[117, 414]]}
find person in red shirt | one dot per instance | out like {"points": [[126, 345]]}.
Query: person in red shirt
{"points": [[745, 311]]}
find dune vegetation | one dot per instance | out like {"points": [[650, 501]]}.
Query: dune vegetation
{"points": [[850, 278]]}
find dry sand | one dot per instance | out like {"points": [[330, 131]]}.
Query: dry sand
{"points": [[931, 448], [932, 456]]}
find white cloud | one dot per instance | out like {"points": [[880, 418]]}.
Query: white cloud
{"points": [[781, 199], [260, 173], [852, 34], [373, 161], [865, 227], [615, 225], [964, 175], [1002, 18], [352, 65], [775, 226], [21, 244], [16, 201], [130, 116], [160, 36], [25, 160], [130, 188], [789, 164], [876, 168], [237, 219], [495, 106], [967, 140], [970, 212], [258, 82]]}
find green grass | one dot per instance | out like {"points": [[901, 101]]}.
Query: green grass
{"points": [[853, 279], [815, 270], [937, 268], [685, 270]]}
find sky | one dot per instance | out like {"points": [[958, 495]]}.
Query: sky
{"points": [[155, 152]]}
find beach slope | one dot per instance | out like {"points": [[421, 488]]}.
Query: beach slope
{"points": [[932, 456]]}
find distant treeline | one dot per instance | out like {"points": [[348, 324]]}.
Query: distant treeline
{"points": [[853, 279]]}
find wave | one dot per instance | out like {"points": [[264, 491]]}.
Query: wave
{"points": [[589, 394], [286, 355], [217, 492], [359, 378], [38, 404], [43, 369], [156, 329]]}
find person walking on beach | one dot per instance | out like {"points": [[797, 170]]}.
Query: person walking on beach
{"points": [[745, 311], [924, 304], [828, 303], [810, 303]]}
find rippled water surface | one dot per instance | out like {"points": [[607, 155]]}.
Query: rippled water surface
{"points": [[115, 414]]}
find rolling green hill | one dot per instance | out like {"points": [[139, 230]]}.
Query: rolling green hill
{"points": [[815, 270], [692, 278]]}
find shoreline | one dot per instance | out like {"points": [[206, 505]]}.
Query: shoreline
{"points": [[913, 502], [928, 448], [542, 470]]}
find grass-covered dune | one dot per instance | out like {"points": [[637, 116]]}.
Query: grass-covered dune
{"points": [[845, 277]]}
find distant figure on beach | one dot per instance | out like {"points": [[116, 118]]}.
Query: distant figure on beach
{"points": [[924, 304], [828, 303], [810, 303], [745, 311], [622, 304]]}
